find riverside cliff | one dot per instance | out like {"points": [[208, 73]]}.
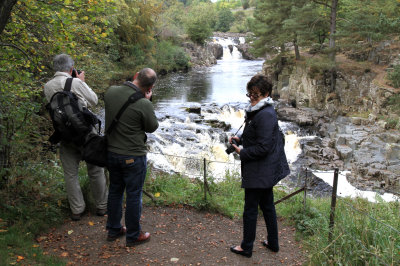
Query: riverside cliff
{"points": [[357, 128]]}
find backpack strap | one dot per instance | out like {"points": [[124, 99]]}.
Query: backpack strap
{"points": [[68, 83], [133, 98]]}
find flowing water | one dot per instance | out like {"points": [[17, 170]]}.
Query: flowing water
{"points": [[187, 141]]}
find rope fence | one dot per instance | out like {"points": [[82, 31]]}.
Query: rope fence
{"points": [[199, 168]]}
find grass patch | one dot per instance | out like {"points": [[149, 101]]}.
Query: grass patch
{"points": [[33, 200]]}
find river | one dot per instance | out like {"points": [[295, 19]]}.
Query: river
{"points": [[185, 139]]}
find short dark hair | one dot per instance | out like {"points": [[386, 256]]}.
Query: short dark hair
{"points": [[146, 78], [262, 83]]}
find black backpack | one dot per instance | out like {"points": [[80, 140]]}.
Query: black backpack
{"points": [[71, 121]]}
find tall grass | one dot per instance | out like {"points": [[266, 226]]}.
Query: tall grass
{"points": [[33, 200]]}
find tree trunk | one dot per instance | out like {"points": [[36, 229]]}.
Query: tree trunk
{"points": [[296, 49], [5, 12], [332, 44]]}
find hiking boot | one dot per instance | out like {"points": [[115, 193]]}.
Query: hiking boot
{"points": [[76, 216], [101, 212], [143, 238], [118, 235]]}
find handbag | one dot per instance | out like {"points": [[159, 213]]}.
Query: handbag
{"points": [[95, 148]]}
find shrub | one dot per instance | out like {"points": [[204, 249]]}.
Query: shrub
{"points": [[394, 76]]}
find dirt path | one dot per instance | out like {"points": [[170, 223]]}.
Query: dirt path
{"points": [[179, 236]]}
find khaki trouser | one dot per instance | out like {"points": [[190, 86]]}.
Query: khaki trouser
{"points": [[70, 156]]}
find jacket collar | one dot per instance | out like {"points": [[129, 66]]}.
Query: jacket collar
{"points": [[60, 73], [131, 85], [252, 110]]}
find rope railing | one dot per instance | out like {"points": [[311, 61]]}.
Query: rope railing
{"points": [[369, 216]]}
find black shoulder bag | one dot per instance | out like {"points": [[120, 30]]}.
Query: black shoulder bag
{"points": [[95, 147]]}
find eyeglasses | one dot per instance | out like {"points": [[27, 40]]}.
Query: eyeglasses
{"points": [[254, 95]]}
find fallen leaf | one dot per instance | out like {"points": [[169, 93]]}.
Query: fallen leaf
{"points": [[64, 254], [20, 258], [35, 246], [174, 259], [157, 195], [91, 223], [70, 232], [40, 239]]}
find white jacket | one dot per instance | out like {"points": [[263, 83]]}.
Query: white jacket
{"points": [[85, 94]]}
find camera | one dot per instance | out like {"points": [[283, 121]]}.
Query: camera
{"points": [[74, 71], [231, 149]]}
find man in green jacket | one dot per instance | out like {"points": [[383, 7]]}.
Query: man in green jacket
{"points": [[127, 160]]}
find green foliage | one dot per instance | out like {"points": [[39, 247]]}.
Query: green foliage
{"points": [[200, 21], [394, 76], [230, 4], [225, 19], [37, 31], [245, 4], [370, 21], [170, 24], [170, 57]]}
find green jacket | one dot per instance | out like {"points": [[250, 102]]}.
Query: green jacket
{"points": [[129, 136]]}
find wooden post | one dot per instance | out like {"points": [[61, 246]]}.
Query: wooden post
{"points": [[305, 190], [205, 180], [333, 204]]}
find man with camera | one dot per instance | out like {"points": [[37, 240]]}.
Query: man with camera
{"points": [[127, 162], [70, 153]]}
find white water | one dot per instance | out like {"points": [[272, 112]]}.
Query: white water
{"points": [[345, 189]]}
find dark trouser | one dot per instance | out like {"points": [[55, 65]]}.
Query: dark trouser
{"points": [[265, 199], [126, 172]]}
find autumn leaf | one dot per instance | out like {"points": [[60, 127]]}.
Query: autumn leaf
{"points": [[90, 223], [64, 254], [70, 232], [157, 195]]}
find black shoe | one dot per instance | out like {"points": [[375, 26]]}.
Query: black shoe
{"points": [[118, 235], [245, 253], [273, 249]]}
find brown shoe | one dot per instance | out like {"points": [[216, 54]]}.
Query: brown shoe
{"points": [[143, 237]]}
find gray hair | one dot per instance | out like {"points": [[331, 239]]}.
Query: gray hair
{"points": [[63, 63], [147, 77]]}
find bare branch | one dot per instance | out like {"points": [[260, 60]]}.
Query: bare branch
{"points": [[322, 3], [16, 47]]}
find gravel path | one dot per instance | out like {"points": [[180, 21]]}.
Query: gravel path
{"points": [[179, 236]]}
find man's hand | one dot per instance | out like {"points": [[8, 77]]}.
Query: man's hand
{"points": [[80, 76], [148, 94]]}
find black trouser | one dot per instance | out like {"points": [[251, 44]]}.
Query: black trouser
{"points": [[265, 199]]}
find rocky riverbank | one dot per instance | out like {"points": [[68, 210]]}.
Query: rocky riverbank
{"points": [[365, 148], [207, 54]]}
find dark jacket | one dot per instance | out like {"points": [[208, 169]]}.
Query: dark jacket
{"points": [[263, 159], [129, 135]]}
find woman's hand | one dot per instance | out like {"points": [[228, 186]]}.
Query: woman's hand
{"points": [[237, 149]]}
